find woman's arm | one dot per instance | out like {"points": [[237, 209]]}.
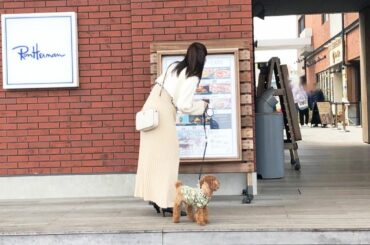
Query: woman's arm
{"points": [[185, 97]]}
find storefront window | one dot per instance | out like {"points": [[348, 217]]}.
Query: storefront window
{"points": [[325, 83]]}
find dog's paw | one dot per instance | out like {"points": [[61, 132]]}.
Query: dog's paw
{"points": [[201, 223], [191, 217]]}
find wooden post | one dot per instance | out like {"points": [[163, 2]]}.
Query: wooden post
{"points": [[365, 72]]}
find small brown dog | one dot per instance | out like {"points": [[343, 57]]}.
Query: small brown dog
{"points": [[195, 198]]}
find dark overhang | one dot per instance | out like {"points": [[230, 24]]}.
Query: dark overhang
{"points": [[297, 7]]}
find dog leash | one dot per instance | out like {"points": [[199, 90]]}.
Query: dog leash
{"points": [[206, 142]]}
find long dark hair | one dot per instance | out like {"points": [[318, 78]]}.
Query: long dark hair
{"points": [[193, 61]]}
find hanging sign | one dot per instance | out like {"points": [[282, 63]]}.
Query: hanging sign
{"points": [[335, 51], [39, 50]]}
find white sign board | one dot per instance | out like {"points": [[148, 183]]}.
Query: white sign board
{"points": [[39, 50], [219, 86]]}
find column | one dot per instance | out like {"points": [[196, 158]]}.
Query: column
{"points": [[365, 73]]}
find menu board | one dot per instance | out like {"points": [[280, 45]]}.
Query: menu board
{"points": [[325, 112], [219, 86]]}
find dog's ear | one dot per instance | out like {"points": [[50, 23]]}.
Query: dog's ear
{"points": [[215, 184], [207, 179], [201, 182]]}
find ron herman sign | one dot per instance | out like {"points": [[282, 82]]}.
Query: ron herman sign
{"points": [[39, 50]]}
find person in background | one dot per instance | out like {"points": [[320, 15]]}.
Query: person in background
{"points": [[301, 102], [159, 154], [316, 96]]}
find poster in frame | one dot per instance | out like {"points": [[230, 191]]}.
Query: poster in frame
{"points": [[219, 85]]}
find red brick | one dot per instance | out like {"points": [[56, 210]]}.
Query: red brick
{"points": [[12, 159], [60, 170], [196, 16], [185, 10], [3, 172], [165, 11], [231, 35], [81, 170], [103, 169], [153, 18], [192, 3], [185, 23], [175, 4], [10, 5], [16, 107], [142, 12], [230, 22], [175, 30], [8, 165], [218, 2], [48, 125], [17, 145], [19, 171], [207, 23], [40, 171], [56, 3]]}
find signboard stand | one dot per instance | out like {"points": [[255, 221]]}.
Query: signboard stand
{"points": [[292, 130], [325, 112]]}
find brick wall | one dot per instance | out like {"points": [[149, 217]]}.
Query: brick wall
{"points": [[318, 67], [90, 129], [349, 18], [320, 31], [353, 37], [321, 34], [353, 44]]}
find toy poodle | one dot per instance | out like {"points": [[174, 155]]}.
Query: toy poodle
{"points": [[195, 199]]}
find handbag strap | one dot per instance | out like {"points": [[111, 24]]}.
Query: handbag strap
{"points": [[162, 86], [164, 80]]}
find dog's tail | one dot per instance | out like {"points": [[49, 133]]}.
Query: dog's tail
{"points": [[178, 184]]}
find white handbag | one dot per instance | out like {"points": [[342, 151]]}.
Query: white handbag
{"points": [[147, 120]]}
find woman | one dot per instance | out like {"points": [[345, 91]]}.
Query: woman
{"points": [[159, 159]]}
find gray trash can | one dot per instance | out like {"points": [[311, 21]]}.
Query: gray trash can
{"points": [[269, 137], [270, 145]]}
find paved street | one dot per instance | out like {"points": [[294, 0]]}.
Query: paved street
{"points": [[330, 194]]}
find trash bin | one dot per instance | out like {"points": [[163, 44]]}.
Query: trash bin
{"points": [[269, 137]]}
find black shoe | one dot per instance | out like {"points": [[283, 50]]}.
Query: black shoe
{"points": [[170, 210], [155, 206]]}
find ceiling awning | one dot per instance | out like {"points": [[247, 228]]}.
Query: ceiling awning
{"points": [[262, 8]]}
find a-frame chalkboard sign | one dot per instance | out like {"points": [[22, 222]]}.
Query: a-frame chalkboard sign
{"points": [[270, 71]]}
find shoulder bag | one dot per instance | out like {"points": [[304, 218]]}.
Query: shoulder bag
{"points": [[148, 119]]}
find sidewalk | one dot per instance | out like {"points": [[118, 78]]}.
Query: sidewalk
{"points": [[327, 201]]}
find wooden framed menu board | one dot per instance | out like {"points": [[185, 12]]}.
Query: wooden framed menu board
{"points": [[226, 82]]}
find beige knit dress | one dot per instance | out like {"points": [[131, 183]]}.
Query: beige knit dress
{"points": [[158, 164]]}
